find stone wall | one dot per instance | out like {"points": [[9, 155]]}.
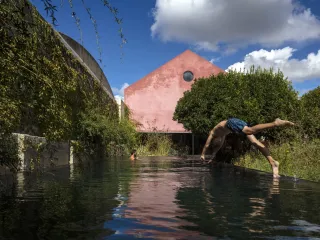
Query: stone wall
{"points": [[37, 153]]}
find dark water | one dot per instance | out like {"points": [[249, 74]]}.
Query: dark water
{"points": [[158, 198]]}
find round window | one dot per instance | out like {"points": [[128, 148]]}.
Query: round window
{"points": [[188, 76]]}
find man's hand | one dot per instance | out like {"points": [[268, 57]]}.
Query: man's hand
{"points": [[202, 158]]}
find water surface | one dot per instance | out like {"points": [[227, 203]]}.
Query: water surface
{"points": [[157, 198]]}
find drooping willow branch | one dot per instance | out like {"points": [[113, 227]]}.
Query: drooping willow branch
{"points": [[51, 9], [94, 22], [114, 11], [77, 20]]}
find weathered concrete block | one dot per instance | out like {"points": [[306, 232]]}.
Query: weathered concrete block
{"points": [[37, 152]]}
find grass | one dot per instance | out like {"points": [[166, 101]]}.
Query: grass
{"points": [[159, 144], [154, 144], [299, 159]]}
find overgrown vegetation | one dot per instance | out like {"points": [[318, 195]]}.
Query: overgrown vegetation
{"points": [[159, 142], [257, 96], [300, 157], [311, 113], [9, 151], [297, 158], [46, 92], [154, 144]]}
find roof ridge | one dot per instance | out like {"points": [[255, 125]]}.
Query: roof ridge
{"points": [[167, 62]]}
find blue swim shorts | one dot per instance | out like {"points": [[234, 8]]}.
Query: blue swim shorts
{"points": [[236, 125]]}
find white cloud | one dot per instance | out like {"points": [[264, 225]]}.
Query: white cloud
{"points": [[119, 92], [295, 69], [213, 60], [118, 98], [211, 24]]}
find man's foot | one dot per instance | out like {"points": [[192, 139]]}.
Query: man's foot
{"points": [[275, 169], [279, 122]]}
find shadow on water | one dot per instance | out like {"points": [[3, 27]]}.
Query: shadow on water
{"points": [[157, 197]]}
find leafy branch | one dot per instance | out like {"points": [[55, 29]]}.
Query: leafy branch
{"points": [[77, 20], [94, 22], [118, 20], [50, 9]]}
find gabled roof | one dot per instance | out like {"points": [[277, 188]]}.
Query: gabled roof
{"points": [[186, 54], [152, 99]]}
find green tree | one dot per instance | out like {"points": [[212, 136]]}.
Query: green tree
{"points": [[256, 96], [311, 112]]}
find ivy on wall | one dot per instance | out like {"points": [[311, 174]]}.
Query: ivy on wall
{"points": [[45, 91]]}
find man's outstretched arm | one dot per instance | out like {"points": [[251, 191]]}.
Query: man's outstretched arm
{"points": [[206, 145]]}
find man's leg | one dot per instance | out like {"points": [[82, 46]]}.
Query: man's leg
{"points": [[260, 127], [265, 151]]}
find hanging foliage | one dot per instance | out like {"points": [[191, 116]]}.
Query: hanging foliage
{"points": [[45, 91]]}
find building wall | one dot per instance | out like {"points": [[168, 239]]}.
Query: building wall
{"points": [[88, 61], [121, 108], [152, 100]]}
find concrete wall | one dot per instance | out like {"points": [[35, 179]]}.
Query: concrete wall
{"points": [[85, 58], [36, 153], [88, 60], [152, 100], [121, 107]]}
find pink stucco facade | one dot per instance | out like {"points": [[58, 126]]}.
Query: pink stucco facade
{"points": [[152, 99]]}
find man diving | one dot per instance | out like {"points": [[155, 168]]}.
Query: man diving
{"points": [[235, 125]]}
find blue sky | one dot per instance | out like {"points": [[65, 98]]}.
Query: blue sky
{"points": [[284, 34]]}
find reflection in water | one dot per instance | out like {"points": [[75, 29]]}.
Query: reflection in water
{"points": [[162, 198], [258, 206]]}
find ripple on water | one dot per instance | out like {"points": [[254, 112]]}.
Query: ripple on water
{"points": [[300, 226], [162, 198]]}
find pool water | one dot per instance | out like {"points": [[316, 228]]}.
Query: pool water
{"points": [[157, 198]]}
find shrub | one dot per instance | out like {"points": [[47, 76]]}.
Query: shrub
{"points": [[256, 96], [311, 113]]}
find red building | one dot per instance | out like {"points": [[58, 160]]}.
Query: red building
{"points": [[152, 99]]}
